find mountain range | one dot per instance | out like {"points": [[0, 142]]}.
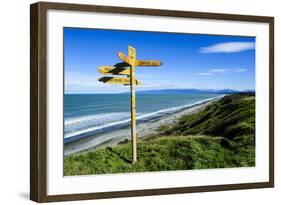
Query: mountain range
{"points": [[194, 91]]}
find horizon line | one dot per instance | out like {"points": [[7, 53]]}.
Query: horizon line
{"points": [[236, 90]]}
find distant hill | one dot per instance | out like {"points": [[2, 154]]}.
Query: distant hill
{"points": [[231, 117], [193, 91]]}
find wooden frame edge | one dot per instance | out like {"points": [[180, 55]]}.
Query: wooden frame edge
{"points": [[37, 102], [153, 12], [155, 192], [271, 101], [38, 112], [33, 102]]}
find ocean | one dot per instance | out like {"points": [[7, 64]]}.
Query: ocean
{"points": [[90, 114]]}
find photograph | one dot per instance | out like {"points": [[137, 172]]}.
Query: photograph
{"points": [[147, 101]]}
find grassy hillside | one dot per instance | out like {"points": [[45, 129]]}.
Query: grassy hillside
{"points": [[231, 117], [221, 135]]}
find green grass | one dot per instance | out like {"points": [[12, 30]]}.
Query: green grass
{"points": [[230, 117], [222, 135], [160, 154]]}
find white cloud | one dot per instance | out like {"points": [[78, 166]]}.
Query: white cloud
{"points": [[219, 70], [222, 71], [229, 47], [183, 85], [241, 70], [206, 73], [77, 82]]}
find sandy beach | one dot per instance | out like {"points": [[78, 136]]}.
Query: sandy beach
{"points": [[112, 138]]}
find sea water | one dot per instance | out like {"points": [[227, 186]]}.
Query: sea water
{"points": [[89, 114]]}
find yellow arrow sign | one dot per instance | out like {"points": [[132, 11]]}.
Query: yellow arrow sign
{"points": [[111, 70], [122, 65], [132, 55], [113, 80], [148, 63], [123, 57]]}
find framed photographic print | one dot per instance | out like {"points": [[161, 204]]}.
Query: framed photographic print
{"points": [[134, 102]]}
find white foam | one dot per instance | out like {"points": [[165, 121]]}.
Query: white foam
{"points": [[84, 122], [114, 124]]}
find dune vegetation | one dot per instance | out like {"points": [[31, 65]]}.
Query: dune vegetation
{"points": [[220, 136]]}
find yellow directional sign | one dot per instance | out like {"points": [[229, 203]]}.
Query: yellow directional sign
{"points": [[114, 80], [131, 58], [123, 57], [111, 70], [122, 65], [148, 63], [127, 67]]}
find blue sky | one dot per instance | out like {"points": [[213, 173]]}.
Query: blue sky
{"points": [[189, 60]]}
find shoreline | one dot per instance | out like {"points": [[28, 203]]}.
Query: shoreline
{"points": [[112, 138]]}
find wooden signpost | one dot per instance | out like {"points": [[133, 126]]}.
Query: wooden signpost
{"points": [[127, 67], [132, 59]]}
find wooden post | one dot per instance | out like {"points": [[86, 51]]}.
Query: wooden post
{"points": [[132, 57]]}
